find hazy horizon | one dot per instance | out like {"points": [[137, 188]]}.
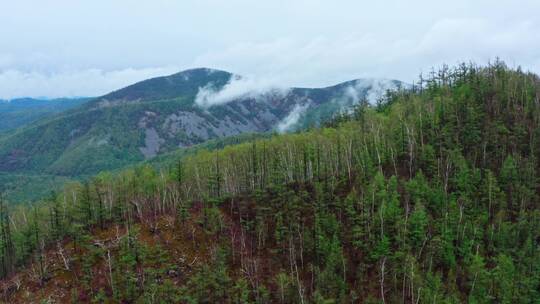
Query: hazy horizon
{"points": [[66, 48]]}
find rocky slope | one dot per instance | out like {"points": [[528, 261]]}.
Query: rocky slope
{"points": [[162, 114]]}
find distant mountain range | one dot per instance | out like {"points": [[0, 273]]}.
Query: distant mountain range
{"points": [[18, 112], [162, 114]]}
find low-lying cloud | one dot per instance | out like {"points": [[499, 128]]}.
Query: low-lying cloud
{"points": [[369, 89], [292, 119], [239, 87]]}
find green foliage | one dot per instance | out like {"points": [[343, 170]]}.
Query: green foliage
{"points": [[431, 197], [211, 283], [20, 112]]}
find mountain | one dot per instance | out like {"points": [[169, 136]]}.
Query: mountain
{"points": [[162, 114], [431, 197], [19, 112]]}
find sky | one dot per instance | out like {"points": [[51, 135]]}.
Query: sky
{"points": [[65, 48]]}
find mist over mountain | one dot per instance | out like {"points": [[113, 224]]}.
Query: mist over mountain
{"points": [[291, 152], [430, 196], [162, 114]]}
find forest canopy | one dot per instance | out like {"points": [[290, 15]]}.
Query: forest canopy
{"points": [[431, 195]]}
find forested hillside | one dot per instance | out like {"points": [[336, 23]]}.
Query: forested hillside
{"points": [[162, 114], [155, 117], [22, 111], [431, 196]]}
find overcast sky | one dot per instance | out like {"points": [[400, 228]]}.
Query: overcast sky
{"points": [[87, 48]]}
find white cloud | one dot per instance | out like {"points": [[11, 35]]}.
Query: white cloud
{"points": [[378, 88], [238, 87], [292, 118], [324, 61], [298, 42], [371, 89]]}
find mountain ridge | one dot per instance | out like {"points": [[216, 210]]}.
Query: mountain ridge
{"points": [[18, 112], [161, 114], [429, 197]]}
